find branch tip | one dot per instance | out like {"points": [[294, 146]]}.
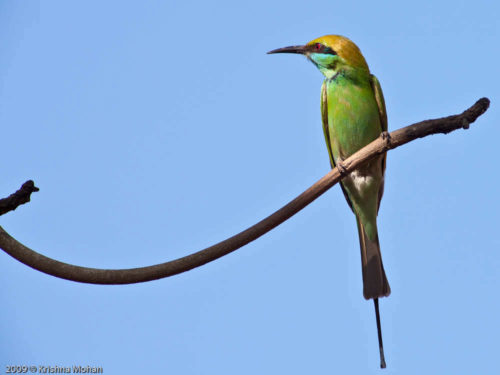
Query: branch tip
{"points": [[22, 196]]}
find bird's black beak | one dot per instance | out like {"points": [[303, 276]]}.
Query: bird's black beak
{"points": [[302, 50]]}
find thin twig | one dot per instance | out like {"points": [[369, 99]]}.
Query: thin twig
{"points": [[136, 275]]}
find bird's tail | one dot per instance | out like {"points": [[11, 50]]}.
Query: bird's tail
{"points": [[375, 282]]}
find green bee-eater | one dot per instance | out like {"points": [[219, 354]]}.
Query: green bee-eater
{"points": [[353, 114]]}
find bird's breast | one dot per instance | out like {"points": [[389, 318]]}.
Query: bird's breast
{"points": [[353, 117]]}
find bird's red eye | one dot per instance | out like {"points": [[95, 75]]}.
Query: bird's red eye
{"points": [[318, 46]]}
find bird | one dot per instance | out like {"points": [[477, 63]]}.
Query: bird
{"points": [[353, 114]]}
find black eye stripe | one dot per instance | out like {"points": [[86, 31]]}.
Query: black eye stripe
{"points": [[321, 48], [330, 51]]}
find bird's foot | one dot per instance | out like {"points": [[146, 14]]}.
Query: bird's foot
{"points": [[465, 124], [386, 136], [341, 167]]}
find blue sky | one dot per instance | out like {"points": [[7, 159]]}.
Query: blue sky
{"points": [[156, 129]]}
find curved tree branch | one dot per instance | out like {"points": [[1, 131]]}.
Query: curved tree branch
{"points": [[135, 275]]}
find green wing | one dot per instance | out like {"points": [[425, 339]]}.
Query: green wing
{"points": [[379, 98], [324, 118]]}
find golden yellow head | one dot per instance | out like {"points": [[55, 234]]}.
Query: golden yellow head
{"points": [[344, 48]]}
